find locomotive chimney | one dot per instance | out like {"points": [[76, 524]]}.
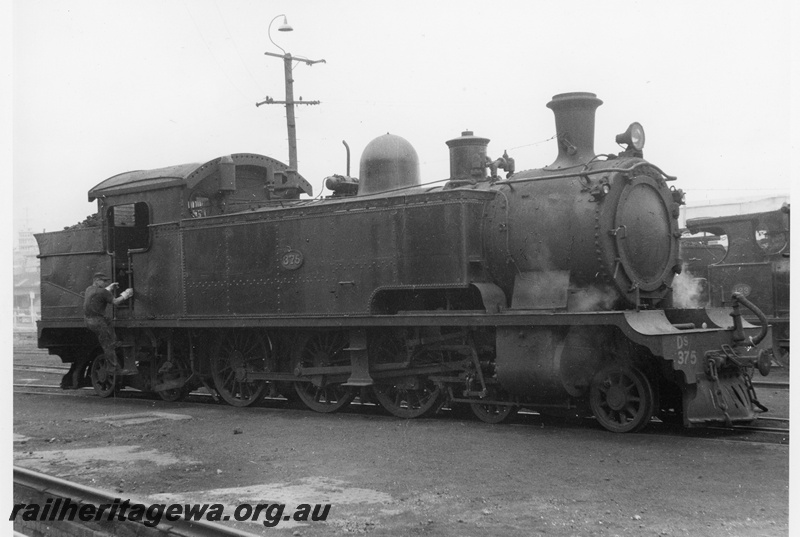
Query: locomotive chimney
{"points": [[574, 127]]}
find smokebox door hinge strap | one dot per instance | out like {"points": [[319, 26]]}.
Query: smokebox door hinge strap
{"points": [[615, 232]]}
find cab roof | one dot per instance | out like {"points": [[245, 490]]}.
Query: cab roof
{"points": [[186, 175]]}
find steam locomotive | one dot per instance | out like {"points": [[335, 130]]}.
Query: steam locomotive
{"points": [[547, 288], [755, 264]]}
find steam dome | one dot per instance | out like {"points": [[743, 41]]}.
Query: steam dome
{"points": [[388, 162]]}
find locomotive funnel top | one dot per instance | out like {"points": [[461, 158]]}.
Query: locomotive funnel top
{"points": [[574, 127]]}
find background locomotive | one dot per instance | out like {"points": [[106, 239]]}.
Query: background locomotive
{"points": [[755, 264], [548, 288]]}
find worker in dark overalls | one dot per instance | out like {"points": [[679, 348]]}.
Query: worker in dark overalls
{"points": [[96, 298]]}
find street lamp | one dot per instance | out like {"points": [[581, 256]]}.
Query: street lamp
{"points": [[289, 102], [282, 28]]}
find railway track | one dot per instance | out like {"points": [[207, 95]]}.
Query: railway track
{"points": [[42, 369], [764, 424], [778, 433], [30, 352], [771, 384], [37, 488]]}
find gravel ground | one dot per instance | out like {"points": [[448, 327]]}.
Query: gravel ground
{"points": [[383, 476]]}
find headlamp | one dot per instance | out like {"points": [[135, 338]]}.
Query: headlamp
{"points": [[633, 137]]}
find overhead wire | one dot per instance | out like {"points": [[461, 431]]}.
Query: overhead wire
{"points": [[553, 137], [211, 52], [235, 46]]}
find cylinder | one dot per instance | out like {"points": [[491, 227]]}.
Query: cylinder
{"points": [[547, 363], [468, 157]]}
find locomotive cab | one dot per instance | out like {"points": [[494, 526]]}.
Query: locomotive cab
{"points": [[134, 233]]}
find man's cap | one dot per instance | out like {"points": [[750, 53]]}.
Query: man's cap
{"points": [[100, 276]]}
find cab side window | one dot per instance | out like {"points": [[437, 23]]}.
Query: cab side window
{"points": [[128, 227]]}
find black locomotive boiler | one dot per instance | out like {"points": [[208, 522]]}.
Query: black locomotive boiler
{"points": [[547, 288]]}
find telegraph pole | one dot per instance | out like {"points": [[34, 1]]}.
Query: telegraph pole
{"points": [[290, 102]]}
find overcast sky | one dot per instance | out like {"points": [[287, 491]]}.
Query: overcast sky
{"points": [[101, 87], [104, 87]]}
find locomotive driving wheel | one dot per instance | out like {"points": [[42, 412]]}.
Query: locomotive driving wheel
{"points": [[104, 377], [408, 397], [324, 349], [237, 353], [621, 398], [493, 413], [166, 371]]}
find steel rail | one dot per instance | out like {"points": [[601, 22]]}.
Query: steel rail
{"points": [[770, 418], [748, 428], [41, 368], [47, 386], [60, 488], [47, 389], [771, 384]]}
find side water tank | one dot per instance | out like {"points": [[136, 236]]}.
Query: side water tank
{"points": [[387, 163]]}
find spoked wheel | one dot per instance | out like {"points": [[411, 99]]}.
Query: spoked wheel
{"points": [[387, 347], [493, 413], [238, 353], [621, 398], [409, 399], [329, 398], [104, 378], [169, 372], [322, 350]]}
